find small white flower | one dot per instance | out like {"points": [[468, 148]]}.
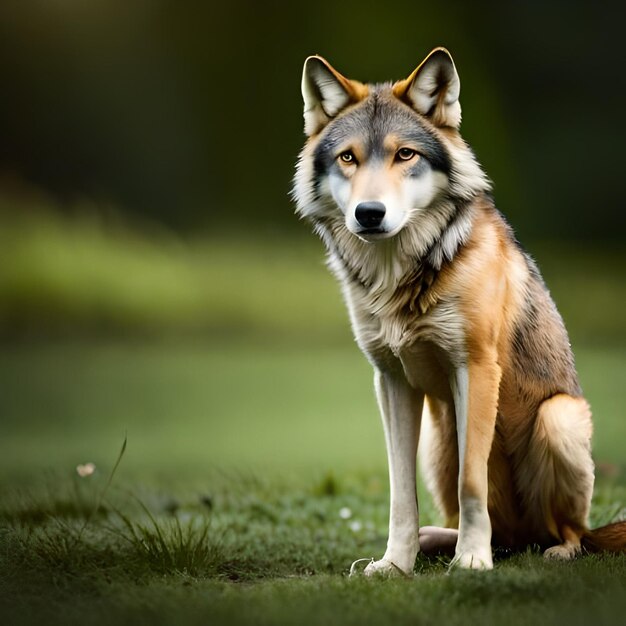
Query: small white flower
{"points": [[345, 513], [355, 526], [85, 470]]}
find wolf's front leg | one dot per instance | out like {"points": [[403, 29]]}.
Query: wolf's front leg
{"points": [[401, 409], [475, 389]]}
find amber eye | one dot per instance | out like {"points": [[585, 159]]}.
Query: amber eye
{"points": [[405, 154], [347, 157]]}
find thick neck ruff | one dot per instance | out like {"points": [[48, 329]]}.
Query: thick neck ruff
{"points": [[398, 274]]}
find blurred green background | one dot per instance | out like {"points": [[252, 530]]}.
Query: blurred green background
{"points": [[154, 279]]}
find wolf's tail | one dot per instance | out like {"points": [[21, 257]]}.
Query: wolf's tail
{"points": [[611, 538]]}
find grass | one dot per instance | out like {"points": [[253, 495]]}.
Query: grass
{"points": [[277, 557], [242, 509], [255, 469], [190, 408], [85, 274]]}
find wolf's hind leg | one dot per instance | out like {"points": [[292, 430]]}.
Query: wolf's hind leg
{"points": [[556, 476], [435, 540]]}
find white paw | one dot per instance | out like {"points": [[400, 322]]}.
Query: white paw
{"points": [[562, 552], [474, 559], [384, 569]]}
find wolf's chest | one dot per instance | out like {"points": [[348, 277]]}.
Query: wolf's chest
{"points": [[427, 347]]}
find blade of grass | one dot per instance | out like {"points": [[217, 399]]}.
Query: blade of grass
{"points": [[104, 490]]}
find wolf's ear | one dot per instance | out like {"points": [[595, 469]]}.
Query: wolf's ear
{"points": [[433, 89], [325, 92]]}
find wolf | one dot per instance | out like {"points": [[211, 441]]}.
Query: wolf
{"points": [[466, 344]]}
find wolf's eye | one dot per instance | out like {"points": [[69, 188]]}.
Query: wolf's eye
{"points": [[405, 154], [347, 157]]}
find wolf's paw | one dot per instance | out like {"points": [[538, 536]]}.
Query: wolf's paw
{"points": [[562, 552], [384, 569], [476, 559]]}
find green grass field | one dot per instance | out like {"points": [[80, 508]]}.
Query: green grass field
{"points": [[253, 476], [254, 471]]}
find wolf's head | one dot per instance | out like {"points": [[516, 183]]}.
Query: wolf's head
{"points": [[379, 158]]}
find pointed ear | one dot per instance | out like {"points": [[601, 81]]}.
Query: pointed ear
{"points": [[326, 92], [433, 89]]}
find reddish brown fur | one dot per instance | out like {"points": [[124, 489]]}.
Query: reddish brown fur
{"points": [[611, 538], [499, 387]]}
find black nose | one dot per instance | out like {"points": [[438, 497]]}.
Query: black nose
{"points": [[370, 214]]}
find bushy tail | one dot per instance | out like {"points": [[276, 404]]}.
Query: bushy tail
{"points": [[611, 538]]}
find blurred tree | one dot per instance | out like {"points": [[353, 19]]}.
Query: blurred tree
{"points": [[189, 112]]}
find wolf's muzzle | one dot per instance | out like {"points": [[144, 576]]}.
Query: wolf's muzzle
{"points": [[370, 215]]}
